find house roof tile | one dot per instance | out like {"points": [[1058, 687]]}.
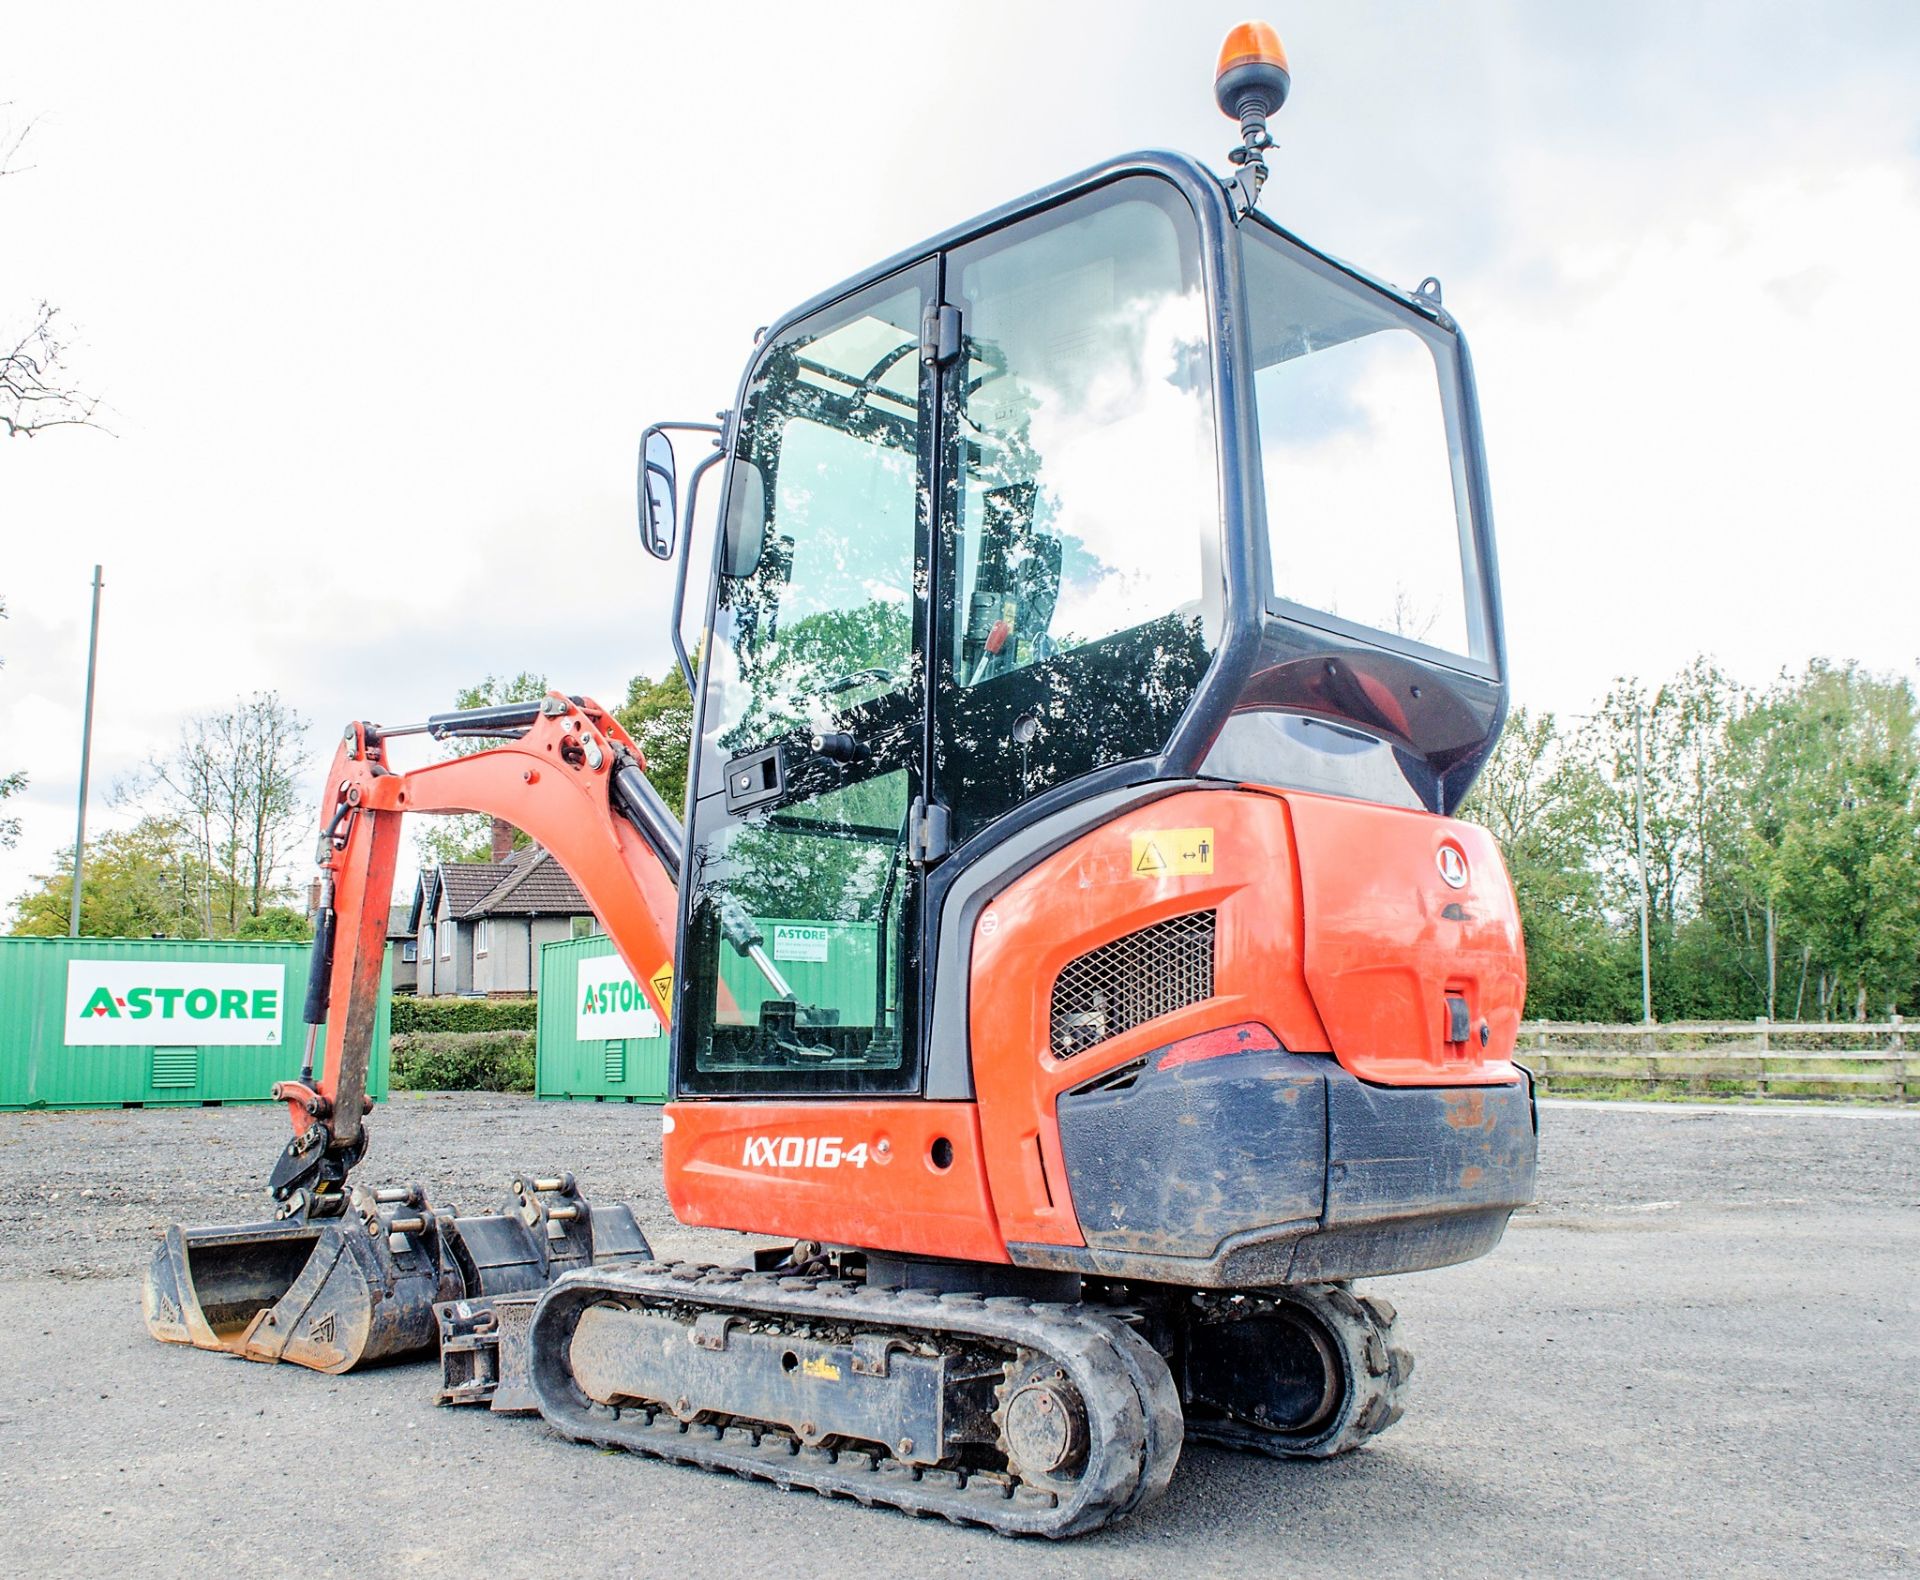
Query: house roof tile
{"points": [[468, 883], [532, 884], [528, 883]]}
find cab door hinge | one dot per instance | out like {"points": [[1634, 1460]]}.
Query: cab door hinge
{"points": [[927, 832], [940, 335]]}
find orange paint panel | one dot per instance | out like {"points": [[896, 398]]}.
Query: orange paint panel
{"points": [[848, 1173], [1090, 894], [1389, 937]]}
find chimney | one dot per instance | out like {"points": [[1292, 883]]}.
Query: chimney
{"points": [[503, 833], [313, 900]]}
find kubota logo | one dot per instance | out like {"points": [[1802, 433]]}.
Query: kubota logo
{"points": [[1452, 862]]}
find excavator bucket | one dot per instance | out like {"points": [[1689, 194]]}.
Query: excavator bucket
{"points": [[335, 1293], [325, 1295]]}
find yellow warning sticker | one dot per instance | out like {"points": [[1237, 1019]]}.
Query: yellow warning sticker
{"points": [[821, 1367], [1172, 852], [662, 983]]}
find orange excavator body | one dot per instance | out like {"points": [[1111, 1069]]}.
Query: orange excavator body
{"points": [[1320, 942], [1103, 633]]}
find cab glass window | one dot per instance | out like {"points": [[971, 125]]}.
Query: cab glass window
{"points": [[1080, 582], [1367, 509], [799, 955]]}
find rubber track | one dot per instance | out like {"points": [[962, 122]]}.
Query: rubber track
{"points": [[1374, 1369], [1133, 1409]]}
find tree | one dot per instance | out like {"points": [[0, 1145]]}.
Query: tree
{"points": [[468, 837], [658, 714], [1783, 847], [36, 387], [1545, 805], [232, 786], [11, 784], [1682, 728], [1835, 831], [276, 923], [139, 883], [1772, 756]]}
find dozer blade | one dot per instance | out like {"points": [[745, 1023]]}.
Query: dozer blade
{"points": [[344, 1291]]}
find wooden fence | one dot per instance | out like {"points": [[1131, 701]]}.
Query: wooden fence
{"points": [[1833, 1060]]}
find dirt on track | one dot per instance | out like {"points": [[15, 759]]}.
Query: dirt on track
{"points": [[1694, 1356]]}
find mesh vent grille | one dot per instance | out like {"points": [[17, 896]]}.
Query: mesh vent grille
{"points": [[174, 1067], [616, 1061], [1129, 981]]}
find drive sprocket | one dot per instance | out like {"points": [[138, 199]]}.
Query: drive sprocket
{"points": [[1363, 1370]]}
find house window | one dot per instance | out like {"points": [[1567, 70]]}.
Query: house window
{"points": [[585, 926], [446, 942], [410, 951], [483, 936]]}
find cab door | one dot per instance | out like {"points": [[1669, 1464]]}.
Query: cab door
{"points": [[1079, 589], [800, 951]]}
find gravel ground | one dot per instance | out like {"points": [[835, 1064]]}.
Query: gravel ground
{"points": [[1696, 1355]]}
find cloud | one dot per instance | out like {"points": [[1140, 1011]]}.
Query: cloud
{"points": [[1696, 435], [384, 308]]}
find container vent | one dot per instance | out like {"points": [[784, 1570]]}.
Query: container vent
{"points": [[1128, 982], [616, 1061], [175, 1067]]}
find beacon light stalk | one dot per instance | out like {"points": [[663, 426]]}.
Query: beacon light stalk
{"points": [[1250, 83]]}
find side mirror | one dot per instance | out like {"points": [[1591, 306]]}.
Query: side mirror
{"points": [[659, 493]]}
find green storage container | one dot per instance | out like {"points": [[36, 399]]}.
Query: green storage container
{"points": [[588, 1044], [139, 1022], [829, 966]]}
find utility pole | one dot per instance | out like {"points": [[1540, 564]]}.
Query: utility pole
{"points": [[1640, 836], [86, 761]]}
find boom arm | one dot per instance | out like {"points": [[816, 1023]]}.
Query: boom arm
{"points": [[572, 778]]}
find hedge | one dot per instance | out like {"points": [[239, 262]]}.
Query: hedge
{"points": [[463, 1014], [463, 1061]]}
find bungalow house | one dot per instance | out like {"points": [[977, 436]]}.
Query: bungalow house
{"points": [[478, 926], [403, 949]]}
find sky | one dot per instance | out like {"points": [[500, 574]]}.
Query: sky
{"points": [[380, 299]]}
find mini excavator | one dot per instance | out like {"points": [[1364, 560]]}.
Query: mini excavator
{"points": [[1103, 629]]}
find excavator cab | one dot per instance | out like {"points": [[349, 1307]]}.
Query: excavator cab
{"points": [[1113, 488], [1069, 948]]}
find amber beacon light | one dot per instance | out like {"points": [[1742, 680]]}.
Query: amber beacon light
{"points": [[1250, 83]]}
